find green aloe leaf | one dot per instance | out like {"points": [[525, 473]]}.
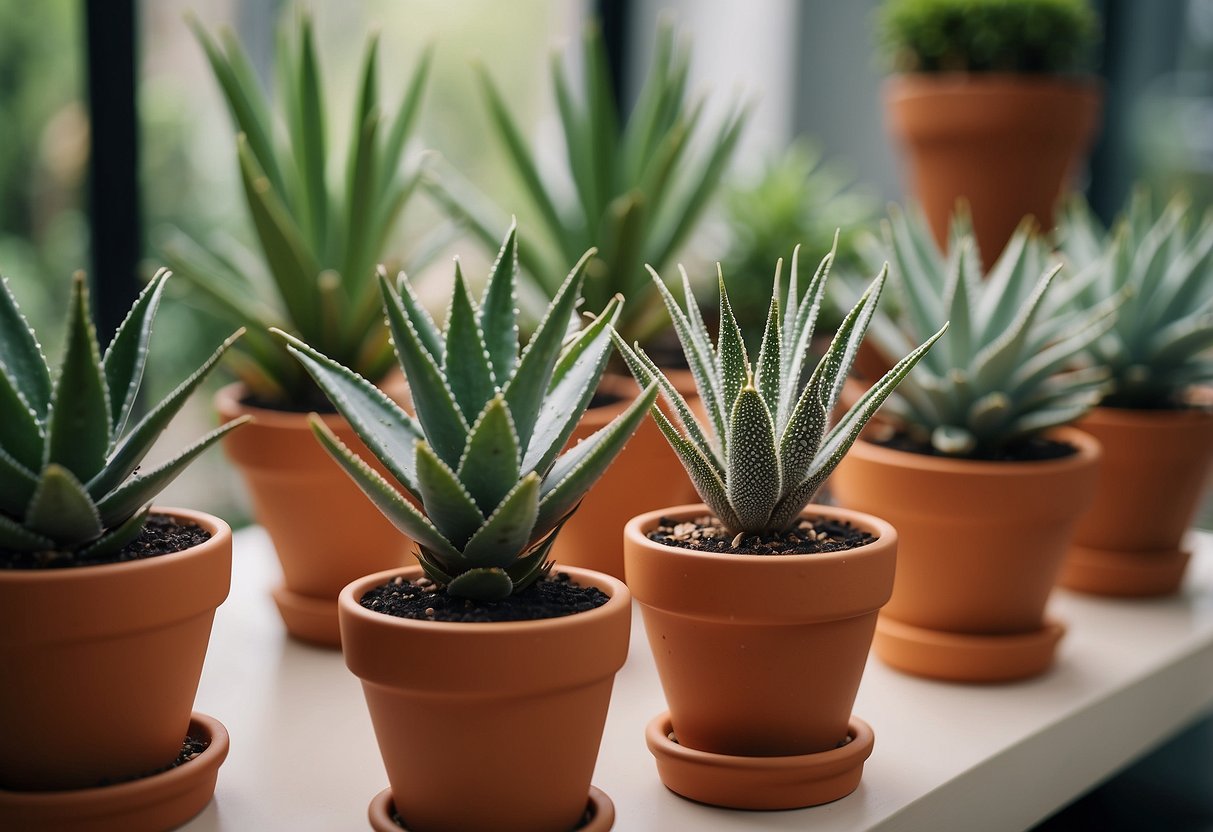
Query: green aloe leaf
{"points": [[17, 484], [20, 432], [704, 475], [466, 362], [309, 135], [498, 308], [16, 538], [427, 331], [447, 502], [490, 464], [21, 355], [116, 538], [508, 529], [754, 476], [62, 510], [126, 356], [732, 364], [481, 584], [78, 422], [769, 377]]}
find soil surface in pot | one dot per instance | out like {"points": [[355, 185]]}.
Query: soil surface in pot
{"points": [[190, 748], [318, 403], [161, 535], [810, 536], [1032, 449], [424, 600], [582, 824]]}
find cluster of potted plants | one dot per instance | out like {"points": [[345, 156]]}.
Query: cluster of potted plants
{"points": [[484, 456]]}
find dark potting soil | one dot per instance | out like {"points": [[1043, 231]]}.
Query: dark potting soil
{"points": [[810, 536], [1033, 449], [190, 748], [315, 404], [161, 535], [601, 399], [582, 824], [423, 600]]}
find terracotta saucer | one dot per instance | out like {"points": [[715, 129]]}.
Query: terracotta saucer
{"points": [[1124, 574], [308, 618], [151, 804], [961, 657], [759, 782], [600, 813]]}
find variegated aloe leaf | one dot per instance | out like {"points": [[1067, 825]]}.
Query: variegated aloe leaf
{"points": [[482, 456], [67, 461], [758, 463], [1015, 361]]}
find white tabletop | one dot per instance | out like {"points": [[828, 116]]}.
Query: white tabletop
{"points": [[1129, 675]]}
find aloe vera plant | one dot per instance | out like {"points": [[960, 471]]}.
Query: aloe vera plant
{"points": [[482, 457], [319, 243], [639, 186], [69, 491], [764, 449], [1159, 347], [1016, 362]]}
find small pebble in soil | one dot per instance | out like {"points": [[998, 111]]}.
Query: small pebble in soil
{"points": [[810, 536], [423, 600], [161, 535]]}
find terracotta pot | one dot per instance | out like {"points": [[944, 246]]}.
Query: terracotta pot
{"points": [[1155, 465], [510, 714], [759, 657], [324, 529], [981, 546], [1008, 144], [101, 663], [646, 475]]}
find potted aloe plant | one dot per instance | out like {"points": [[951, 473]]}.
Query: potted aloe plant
{"points": [[1158, 443], [760, 610], [319, 246], [504, 653], [640, 186], [105, 604], [993, 102], [975, 470]]}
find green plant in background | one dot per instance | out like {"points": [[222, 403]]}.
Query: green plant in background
{"points": [[1160, 344], [1018, 36], [764, 449], [68, 485], [482, 457], [639, 187], [1015, 361], [319, 245], [797, 198]]}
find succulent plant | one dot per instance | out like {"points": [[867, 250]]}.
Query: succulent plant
{"points": [[1160, 344], [639, 187], [69, 491], [319, 245], [764, 449], [482, 457], [1020, 36], [1015, 361]]}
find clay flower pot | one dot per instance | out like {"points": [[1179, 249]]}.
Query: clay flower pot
{"points": [[981, 546], [100, 668], [1008, 144], [487, 726], [324, 529], [646, 475], [1155, 464], [760, 658]]}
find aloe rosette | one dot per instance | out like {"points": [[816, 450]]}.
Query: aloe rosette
{"points": [[482, 456], [1016, 362], [69, 491], [764, 449], [1160, 345]]}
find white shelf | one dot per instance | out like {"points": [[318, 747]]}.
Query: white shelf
{"points": [[1129, 675]]}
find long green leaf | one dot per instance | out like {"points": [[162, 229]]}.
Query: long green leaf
{"points": [[20, 433], [447, 503], [508, 530], [17, 484], [754, 477], [466, 362], [490, 464], [62, 510], [126, 356], [498, 309], [16, 538], [78, 421], [21, 354]]}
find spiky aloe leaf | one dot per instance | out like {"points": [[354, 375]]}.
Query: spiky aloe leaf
{"points": [[499, 308], [16, 538], [490, 583], [21, 356], [17, 484], [754, 478], [491, 461], [126, 355], [465, 363], [447, 501], [62, 510], [20, 431], [508, 530]]}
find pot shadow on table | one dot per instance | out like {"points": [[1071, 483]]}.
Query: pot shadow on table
{"points": [[1168, 790]]}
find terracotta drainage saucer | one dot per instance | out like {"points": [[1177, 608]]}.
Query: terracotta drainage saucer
{"points": [[962, 657], [308, 618], [1126, 574], [600, 812], [161, 801], [759, 782]]}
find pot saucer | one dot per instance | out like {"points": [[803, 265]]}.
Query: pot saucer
{"points": [[1142, 574], [962, 657], [759, 782], [308, 618], [600, 813], [161, 801]]}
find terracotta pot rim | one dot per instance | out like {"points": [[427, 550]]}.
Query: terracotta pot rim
{"points": [[382, 807], [1135, 417], [228, 402], [639, 526], [348, 599], [914, 84], [218, 528], [1088, 451]]}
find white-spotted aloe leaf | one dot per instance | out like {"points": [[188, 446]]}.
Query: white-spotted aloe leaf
{"points": [[20, 355], [447, 502], [491, 462], [61, 508], [126, 355]]}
